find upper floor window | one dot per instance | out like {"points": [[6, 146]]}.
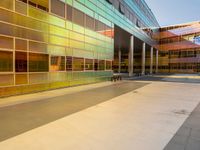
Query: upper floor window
{"points": [[58, 8], [69, 12], [121, 8], [109, 1], [78, 17], [89, 22]]}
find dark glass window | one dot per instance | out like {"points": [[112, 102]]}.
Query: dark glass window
{"points": [[57, 63], [32, 4], [78, 17], [69, 12], [38, 62], [109, 1], [58, 8], [121, 8], [25, 1], [89, 22], [108, 65], [20, 61], [99, 26], [138, 23], [101, 64], [78, 64], [42, 8], [68, 63], [116, 4], [88, 64], [6, 61], [96, 64]]}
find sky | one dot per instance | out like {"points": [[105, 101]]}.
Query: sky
{"points": [[170, 12]]}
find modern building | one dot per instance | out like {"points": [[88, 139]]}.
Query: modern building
{"points": [[47, 44], [179, 47]]}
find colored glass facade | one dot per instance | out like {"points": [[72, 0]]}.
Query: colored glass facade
{"points": [[46, 44], [179, 47]]}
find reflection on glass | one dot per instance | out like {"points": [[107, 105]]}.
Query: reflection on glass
{"points": [[78, 64], [68, 63], [108, 65], [6, 61], [102, 65], [57, 63], [38, 62], [88, 64], [96, 64]]}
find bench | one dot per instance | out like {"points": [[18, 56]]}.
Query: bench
{"points": [[116, 77]]}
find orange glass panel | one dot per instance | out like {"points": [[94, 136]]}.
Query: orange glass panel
{"points": [[6, 80], [6, 42], [20, 44]]}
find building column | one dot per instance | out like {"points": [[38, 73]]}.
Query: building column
{"points": [[151, 61], [156, 61], [130, 56], [143, 57], [120, 59]]}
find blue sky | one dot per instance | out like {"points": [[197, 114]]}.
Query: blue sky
{"points": [[169, 12]]}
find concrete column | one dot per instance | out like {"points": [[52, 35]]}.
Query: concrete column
{"points": [[120, 60], [130, 56], [156, 61], [151, 61], [143, 57]]}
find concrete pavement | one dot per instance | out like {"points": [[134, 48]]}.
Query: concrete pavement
{"points": [[20, 118], [127, 115]]}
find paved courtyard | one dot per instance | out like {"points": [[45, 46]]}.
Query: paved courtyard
{"points": [[151, 113]]}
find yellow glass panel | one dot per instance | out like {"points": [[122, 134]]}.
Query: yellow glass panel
{"points": [[58, 40], [21, 79], [57, 76], [38, 78], [58, 31], [37, 47], [78, 28], [56, 50], [76, 36], [77, 44], [69, 52], [6, 4], [43, 16]]}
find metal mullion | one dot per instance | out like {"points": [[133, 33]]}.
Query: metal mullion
{"points": [[28, 74], [14, 73]]}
